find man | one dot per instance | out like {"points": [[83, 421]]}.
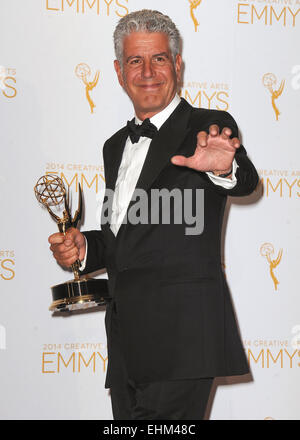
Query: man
{"points": [[170, 324]]}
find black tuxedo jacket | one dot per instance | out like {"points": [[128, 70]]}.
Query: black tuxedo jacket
{"points": [[174, 311]]}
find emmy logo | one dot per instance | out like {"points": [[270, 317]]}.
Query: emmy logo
{"points": [[267, 251], [194, 5], [269, 80], [83, 71]]}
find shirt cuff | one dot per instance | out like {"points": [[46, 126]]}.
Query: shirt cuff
{"points": [[225, 182], [83, 263]]}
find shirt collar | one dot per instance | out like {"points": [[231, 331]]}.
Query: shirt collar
{"points": [[160, 118]]}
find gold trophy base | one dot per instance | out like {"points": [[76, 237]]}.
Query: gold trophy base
{"points": [[81, 294]]}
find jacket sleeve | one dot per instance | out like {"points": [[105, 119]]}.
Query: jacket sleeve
{"points": [[96, 251]]}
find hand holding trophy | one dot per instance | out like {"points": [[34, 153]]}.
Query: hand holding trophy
{"points": [[82, 292]]}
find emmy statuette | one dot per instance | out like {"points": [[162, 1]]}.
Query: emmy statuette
{"points": [[82, 292]]}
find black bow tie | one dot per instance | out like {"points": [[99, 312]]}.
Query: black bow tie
{"points": [[146, 129]]}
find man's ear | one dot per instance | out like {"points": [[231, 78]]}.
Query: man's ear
{"points": [[178, 65], [119, 73]]}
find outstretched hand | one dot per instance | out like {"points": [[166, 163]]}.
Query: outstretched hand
{"points": [[214, 151]]}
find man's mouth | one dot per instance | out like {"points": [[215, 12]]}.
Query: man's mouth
{"points": [[150, 87]]}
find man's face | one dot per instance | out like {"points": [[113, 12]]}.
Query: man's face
{"points": [[149, 76]]}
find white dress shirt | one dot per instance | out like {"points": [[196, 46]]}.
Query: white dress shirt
{"points": [[133, 159]]}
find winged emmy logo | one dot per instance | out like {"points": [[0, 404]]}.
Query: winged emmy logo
{"points": [[267, 251], [269, 81], [83, 71], [194, 5]]}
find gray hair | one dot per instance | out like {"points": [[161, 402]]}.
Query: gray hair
{"points": [[146, 20]]}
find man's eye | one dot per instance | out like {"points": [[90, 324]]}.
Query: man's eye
{"points": [[135, 61], [159, 59]]}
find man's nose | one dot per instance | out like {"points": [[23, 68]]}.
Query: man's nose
{"points": [[148, 71]]}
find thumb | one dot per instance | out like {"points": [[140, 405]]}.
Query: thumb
{"points": [[179, 160], [70, 237], [75, 237]]}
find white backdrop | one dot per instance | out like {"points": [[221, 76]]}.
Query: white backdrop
{"points": [[239, 57]]}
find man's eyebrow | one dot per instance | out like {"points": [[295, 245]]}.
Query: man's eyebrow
{"points": [[160, 54], [131, 57], [155, 55]]}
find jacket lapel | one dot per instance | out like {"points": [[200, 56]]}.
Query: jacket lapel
{"points": [[114, 158], [165, 144], [112, 164], [169, 138]]}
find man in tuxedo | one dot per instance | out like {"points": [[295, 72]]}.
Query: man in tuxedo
{"points": [[170, 323]]}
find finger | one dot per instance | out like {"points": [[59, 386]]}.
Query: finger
{"points": [[62, 248], [56, 238], [60, 238], [235, 142], [68, 261], [214, 130], [226, 132], [66, 255], [69, 241], [202, 139], [67, 258]]}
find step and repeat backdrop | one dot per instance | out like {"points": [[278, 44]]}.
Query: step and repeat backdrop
{"points": [[59, 102]]}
